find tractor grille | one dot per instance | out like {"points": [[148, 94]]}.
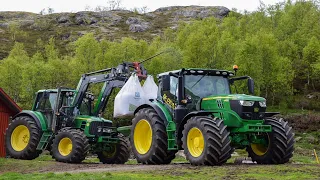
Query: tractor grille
{"points": [[220, 104], [254, 112], [95, 125]]}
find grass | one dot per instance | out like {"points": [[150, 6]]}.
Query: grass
{"points": [[190, 172], [7, 164]]}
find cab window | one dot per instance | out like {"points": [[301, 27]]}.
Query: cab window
{"points": [[46, 101], [174, 85]]}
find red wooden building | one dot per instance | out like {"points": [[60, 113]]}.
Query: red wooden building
{"points": [[8, 108]]}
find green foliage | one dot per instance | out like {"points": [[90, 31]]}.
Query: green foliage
{"points": [[15, 31], [277, 45]]}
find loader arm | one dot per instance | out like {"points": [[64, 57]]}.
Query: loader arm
{"points": [[112, 78], [105, 95]]}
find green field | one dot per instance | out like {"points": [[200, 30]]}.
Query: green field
{"points": [[302, 166], [178, 171]]}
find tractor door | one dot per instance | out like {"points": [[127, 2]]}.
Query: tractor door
{"points": [[169, 95], [45, 103]]}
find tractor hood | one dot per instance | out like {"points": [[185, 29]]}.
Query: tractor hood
{"points": [[90, 119], [242, 97], [246, 106]]}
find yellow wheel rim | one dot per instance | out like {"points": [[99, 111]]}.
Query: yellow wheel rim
{"points": [[110, 154], [142, 136], [260, 149], [65, 146], [20, 138], [195, 142]]}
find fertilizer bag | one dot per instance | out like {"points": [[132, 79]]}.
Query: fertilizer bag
{"points": [[150, 89], [129, 98]]}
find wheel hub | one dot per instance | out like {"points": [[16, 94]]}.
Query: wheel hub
{"points": [[20, 138], [111, 153], [65, 146], [195, 142], [142, 136], [261, 149]]}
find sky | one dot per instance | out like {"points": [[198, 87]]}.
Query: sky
{"points": [[79, 5]]}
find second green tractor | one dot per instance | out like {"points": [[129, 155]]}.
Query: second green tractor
{"points": [[70, 124]]}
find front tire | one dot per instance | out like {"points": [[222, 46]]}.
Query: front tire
{"points": [[119, 155], [280, 144], [70, 146], [206, 141], [22, 138], [149, 139]]}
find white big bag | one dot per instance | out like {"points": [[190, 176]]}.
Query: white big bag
{"points": [[150, 89], [129, 98]]}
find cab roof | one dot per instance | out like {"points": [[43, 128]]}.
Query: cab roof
{"points": [[56, 90], [198, 71]]}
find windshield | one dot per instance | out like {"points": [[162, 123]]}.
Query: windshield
{"points": [[46, 101], [204, 85]]}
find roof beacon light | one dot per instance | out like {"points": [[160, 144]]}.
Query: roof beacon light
{"points": [[235, 68]]}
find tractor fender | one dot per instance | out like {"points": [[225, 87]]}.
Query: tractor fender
{"points": [[195, 113], [188, 116], [39, 119], [270, 114], [165, 116]]}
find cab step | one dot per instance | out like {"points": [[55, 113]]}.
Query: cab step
{"points": [[44, 140]]}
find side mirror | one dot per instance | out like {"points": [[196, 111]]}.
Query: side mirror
{"points": [[165, 81], [251, 86]]}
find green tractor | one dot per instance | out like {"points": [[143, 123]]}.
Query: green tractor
{"points": [[69, 122], [196, 111]]}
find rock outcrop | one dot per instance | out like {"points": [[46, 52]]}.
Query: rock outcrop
{"points": [[135, 22], [115, 24]]}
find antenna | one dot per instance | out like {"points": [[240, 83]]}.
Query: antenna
{"points": [[153, 56]]}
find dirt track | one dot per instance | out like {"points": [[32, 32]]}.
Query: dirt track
{"points": [[173, 170], [110, 168], [96, 167]]}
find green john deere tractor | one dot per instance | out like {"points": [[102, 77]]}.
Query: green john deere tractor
{"points": [[196, 111], [69, 122]]}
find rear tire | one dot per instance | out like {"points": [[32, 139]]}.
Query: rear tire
{"points": [[119, 155], [22, 138], [70, 146], [206, 141], [280, 144], [149, 138]]}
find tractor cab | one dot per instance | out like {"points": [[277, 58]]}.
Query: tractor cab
{"points": [[195, 83], [55, 105], [50, 101], [197, 90]]}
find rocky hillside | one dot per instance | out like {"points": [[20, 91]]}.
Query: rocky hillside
{"points": [[29, 28]]}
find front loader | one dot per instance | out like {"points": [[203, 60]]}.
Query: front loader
{"points": [[197, 112], [69, 123]]}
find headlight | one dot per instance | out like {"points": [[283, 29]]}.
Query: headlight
{"points": [[107, 130], [246, 103], [263, 103]]}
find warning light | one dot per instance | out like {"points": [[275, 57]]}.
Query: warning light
{"points": [[235, 67]]}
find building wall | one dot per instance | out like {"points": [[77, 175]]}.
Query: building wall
{"points": [[4, 121]]}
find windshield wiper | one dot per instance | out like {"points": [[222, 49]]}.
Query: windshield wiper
{"points": [[199, 80]]}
